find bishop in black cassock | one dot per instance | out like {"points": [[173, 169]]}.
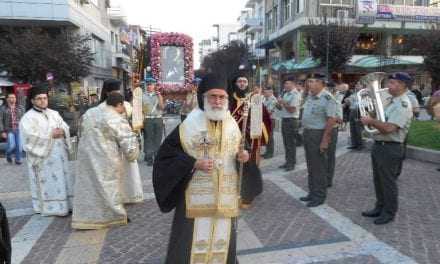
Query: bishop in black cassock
{"points": [[195, 173]]}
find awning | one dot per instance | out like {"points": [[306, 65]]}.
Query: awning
{"points": [[380, 61], [4, 82], [292, 65]]}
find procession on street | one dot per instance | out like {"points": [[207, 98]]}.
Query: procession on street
{"points": [[282, 142]]}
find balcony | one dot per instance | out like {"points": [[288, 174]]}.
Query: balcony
{"points": [[116, 16], [252, 25], [251, 3]]}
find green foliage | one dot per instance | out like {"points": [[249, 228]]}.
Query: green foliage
{"points": [[29, 54], [341, 39], [227, 60], [425, 134]]}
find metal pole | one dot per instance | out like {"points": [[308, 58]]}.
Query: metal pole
{"points": [[327, 46]]}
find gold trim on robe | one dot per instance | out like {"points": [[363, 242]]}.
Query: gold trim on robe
{"points": [[211, 199]]}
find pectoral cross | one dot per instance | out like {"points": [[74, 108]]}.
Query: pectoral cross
{"points": [[204, 143]]}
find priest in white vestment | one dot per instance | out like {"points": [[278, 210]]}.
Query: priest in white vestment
{"points": [[105, 138], [132, 183], [46, 141]]}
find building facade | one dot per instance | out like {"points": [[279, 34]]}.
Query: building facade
{"points": [[384, 35], [81, 16]]}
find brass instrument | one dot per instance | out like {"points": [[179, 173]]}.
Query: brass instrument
{"points": [[370, 98]]}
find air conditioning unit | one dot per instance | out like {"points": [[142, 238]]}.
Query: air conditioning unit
{"points": [[342, 14]]}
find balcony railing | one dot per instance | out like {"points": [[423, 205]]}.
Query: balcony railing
{"points": [[252, 24]]}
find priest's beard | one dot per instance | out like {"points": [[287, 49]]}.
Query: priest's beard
{"points": [[215, 114]]}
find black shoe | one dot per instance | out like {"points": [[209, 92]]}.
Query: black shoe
{"points": [[372, 213], [438, 169], [359, 148], [384, 219], [283, 166], [18, 162], [314, 203], [289, 168], [9, 160], [305, 198], [329, 185], [352, 147]]}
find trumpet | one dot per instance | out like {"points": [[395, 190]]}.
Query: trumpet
{"points": [[370, 99]]}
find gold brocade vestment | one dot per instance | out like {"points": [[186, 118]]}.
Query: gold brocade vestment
{"points": [[211, 199]]}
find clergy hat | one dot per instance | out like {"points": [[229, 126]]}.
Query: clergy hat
{"points": [[210, 81], [38, 89], [109, 86], [403, 77], [242, 72], [317, 75]]}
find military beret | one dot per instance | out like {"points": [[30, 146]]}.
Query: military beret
{"points": [[290, 79], [149, 80], [401, 76], [197, 80], [317, 76]]}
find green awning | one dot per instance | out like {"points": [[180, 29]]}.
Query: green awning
{"points": [[379, 61], [292, 65]]}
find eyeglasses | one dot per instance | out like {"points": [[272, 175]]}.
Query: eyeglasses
{"points": [[215, 97]]}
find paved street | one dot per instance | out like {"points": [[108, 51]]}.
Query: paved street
{"points": [[277, 229]]}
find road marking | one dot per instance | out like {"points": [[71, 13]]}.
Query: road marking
{"points": [[29, 234], [368, 244], [82, 247], [246, 238], [30, 211], [14, 195]]}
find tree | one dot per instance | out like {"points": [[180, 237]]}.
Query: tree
{"points": [[331, 41], [227, 60], [29, 54], [430, 50]]}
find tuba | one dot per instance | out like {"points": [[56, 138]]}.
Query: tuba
{"points": [[370, 100]]}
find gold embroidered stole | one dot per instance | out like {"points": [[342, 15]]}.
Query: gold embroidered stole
{"points": [[211, 199], [212, 194]]}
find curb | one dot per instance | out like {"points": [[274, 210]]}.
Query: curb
{"points": [[416, 153], [422, 154]]}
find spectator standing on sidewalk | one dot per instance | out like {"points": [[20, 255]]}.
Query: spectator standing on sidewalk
{"points": [[10, 115]]}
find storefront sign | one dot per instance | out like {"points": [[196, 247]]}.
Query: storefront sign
{"points": [[399, 12], [366, 11]]}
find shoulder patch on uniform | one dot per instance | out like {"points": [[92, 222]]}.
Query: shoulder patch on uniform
{"points": [[404, 104]]}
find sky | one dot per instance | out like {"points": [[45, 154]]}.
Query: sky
{"points": [[192, 17]]}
